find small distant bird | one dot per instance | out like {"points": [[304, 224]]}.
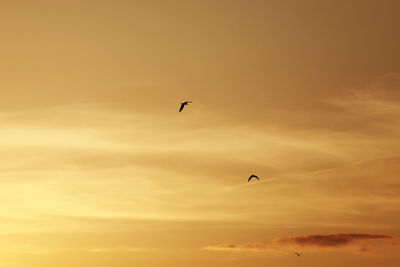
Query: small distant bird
{"points": [[184, 104], [253, 176], [298, 254]]}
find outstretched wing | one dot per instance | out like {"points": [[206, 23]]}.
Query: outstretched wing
{"points": [[252, 176], [182, 106]]}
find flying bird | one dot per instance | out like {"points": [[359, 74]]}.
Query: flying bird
{"points": [[253, 176], [298, 254], [184, 104]]}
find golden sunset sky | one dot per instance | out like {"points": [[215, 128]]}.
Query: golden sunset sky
{"points": [[99, 169]]}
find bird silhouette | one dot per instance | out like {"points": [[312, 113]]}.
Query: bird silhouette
{"points": [[298, 254], [184, 104], [253, 176]]}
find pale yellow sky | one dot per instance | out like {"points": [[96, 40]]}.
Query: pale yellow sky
{"points": [[99, 168]]}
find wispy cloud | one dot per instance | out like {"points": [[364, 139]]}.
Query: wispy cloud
{"points": [[111, 250], [372, 109], [233, 247]]}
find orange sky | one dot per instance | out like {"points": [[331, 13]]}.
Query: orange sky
{"points": [[99, 169]]}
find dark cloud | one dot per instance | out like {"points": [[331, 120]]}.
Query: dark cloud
{"points": [[331, 240], [339, 240]]}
